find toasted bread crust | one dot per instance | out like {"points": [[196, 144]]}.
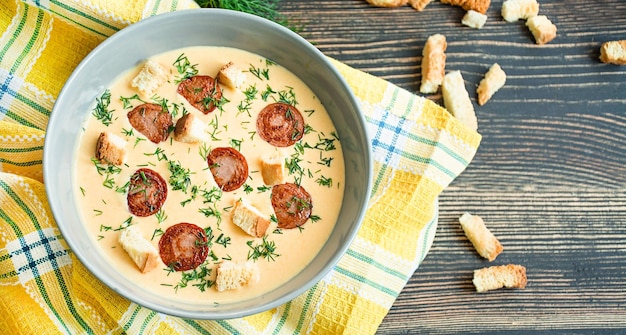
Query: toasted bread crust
{"points": [[387, 3], [513, 10], [474, 19], [497, 277], [542, 29], [493, 81], [273, 169], [140, 250], [613, 52], [151, 76], [419, 5], [232, 275], [249, 219], [485, 243], [457, 100], [433, 63], [480, 6], [190, 129], [110, 149], [231, 76]]}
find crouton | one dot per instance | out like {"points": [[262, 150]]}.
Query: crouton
{"points": [[485, 243], [232, 275], [231, 76], [480, 6], [190, 129], [433, 63], [542, 29], [457, 100], [151, 76], [273, 169], [496, 277], [387, 3], [513, 10], [613, 52], [110, 148], [474, 19], [419, 5], [493, 81], [249, 219], [140, 250]]}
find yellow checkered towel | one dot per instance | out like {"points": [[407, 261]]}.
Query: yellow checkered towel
{"points": [[419, 148]]}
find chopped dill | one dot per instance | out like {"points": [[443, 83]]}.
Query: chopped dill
{"points": [[197, 277], [267, 93], [235, 143], [184, 68], [268, 9], [101, 111], [180, 177], [265, 249], [287, 96], [127, 102], [161, 216], [223, 240], [156, 233], [262, 74]]}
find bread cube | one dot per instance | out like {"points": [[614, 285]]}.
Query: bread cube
{"points": [[190, 129], [140, 250], [273, 169], [493, 81], [110, 148], [231, 76], [232, 275], [496, 277], [613, 52], [474, 19], [513, 10], [542, 29], [151, 76], [457, 100], [249, 219]]}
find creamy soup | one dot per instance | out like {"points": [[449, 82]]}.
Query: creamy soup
{"points": [[315, 162]]}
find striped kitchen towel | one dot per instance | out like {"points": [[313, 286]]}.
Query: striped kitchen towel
{"points": [[419, 148]]}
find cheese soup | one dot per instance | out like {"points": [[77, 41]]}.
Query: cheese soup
{"points": [[191, 190]]}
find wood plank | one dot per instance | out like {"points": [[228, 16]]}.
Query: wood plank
{"points": [[549, 177]]}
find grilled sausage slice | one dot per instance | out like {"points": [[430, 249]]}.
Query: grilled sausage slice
{"points": [[229, 168], [147, 192], [292, 205], [280, 124], [152, 121], [183, 246], [202, 92]]}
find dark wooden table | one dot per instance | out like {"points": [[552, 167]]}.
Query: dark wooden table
{"points": [[549, 177]]}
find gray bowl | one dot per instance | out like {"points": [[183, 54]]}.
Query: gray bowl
{"points": [[212, 27]]}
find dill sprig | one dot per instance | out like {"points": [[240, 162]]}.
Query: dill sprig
{"points": [[180, 177], [264, 8], [101, 111], [265, 249]]}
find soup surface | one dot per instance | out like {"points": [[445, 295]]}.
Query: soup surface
{"points": [[195, 195]]}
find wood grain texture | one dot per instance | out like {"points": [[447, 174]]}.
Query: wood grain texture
{"points": [[549, 177]]}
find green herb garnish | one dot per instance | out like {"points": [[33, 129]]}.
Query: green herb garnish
{"points": [[260, 72], [268, 9], [160, 216], [180, 177], [127, 101], [324, 181], [101, 111], [184, 68], [266, 249], [197, 277]]}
